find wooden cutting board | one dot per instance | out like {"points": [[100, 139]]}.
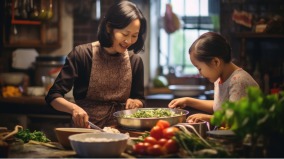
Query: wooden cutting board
{"points": [[30, 150]]}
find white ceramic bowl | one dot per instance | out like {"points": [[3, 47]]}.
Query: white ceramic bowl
{"points": [[99, 144], [35, 91], [187, 90], [62, 134], [12, 78]]}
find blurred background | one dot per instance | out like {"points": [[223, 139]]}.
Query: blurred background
{"points": [[36, 36]]}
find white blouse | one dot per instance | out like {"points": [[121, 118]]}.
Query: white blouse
{"points": [[233, 89]]}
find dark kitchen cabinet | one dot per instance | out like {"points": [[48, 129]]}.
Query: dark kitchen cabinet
{"points": [[32, 113], [31, 23], [259, 53]]}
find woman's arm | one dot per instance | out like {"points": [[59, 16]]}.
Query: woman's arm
{"points": [[137, 87], [79, 116], [74, 73]]}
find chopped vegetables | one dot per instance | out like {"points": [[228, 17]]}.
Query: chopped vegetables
{"points": [[152, 113], [26, 136]]}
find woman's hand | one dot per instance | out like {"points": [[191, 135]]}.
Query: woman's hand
{"points": [[80, 118], [178, 103], [133, 103], [198, 117]]}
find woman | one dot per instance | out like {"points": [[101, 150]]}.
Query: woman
{"points": [[106, 75], [211, 55]]}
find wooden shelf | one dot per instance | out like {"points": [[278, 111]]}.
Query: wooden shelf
{"points": [[258, 35], [25, 22], [27, 33], [35, 45]]}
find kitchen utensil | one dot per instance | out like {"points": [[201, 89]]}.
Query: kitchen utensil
{"points": [[186, 90], [200, 127], [99, 144], [47, 65], [62, 134], [95, 126], [147, 123]]}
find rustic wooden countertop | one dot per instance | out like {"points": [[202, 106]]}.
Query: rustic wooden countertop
{"points": [[28, 100], [26, 105], [29, 150]]}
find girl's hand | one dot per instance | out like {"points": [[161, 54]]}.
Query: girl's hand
{"points": [[80, 118], [178, 103], [133, 103], [198, 117]]}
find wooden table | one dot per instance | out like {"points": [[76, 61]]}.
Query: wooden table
{"points": [[29, 150]]}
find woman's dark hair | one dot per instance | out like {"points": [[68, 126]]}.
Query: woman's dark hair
{"points": [[120, 16], [210, 45]]}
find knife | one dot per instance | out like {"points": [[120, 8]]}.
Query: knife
{"points": [[95, 126]]}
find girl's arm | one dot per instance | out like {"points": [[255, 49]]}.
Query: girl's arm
{"points": [[204, 105]]}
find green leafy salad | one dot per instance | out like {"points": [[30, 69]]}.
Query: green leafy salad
{"points": [[152, 113], [26, 135]]}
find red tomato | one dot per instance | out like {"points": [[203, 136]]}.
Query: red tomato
{"points": [[163, 124], [168, 133], [140, 148], [162, 141], [150, 140], [171, 146], [155, 150], [156, 132]]}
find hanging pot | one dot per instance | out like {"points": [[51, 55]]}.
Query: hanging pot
{"points": [[47, 65]]}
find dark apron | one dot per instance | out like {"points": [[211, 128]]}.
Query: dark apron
{"points": [[109, 86]]}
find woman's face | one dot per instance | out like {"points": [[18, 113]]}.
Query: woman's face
{"points": [[207, 71], [124, 38]]}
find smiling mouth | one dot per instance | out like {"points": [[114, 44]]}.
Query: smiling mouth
{"points": [[124, 46]]}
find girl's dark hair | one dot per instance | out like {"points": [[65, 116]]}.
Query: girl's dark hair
{"points": [[119, 16], [210, 45]]}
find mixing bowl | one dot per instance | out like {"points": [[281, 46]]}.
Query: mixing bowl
{"points": [[148, 123], [62, 134], [187, 90], [99, 144], [12, 78]]}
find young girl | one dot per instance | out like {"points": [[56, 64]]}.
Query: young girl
{"points": [[106, 75], [211, 55]]}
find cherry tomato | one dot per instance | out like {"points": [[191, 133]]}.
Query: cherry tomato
{"points": [[163, 124], [140, 148], [147, 144], [150, 140], [162, 141], [155, 150], [168, 133], [156, 132], [171, 146]]}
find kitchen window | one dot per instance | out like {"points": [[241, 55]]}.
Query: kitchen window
{"points": [[196, 17]]}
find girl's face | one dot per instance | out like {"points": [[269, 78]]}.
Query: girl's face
{"points": [[209, 71], [124, 38]]}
